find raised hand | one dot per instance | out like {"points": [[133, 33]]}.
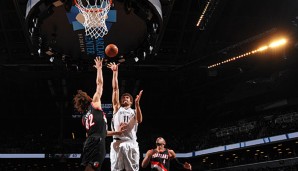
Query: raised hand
{"points": [[137, 100], [98, 62], [113, 66]]}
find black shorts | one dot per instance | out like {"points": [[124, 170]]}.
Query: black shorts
{"points": [[94, 152]]}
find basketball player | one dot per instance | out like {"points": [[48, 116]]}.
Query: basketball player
{"points": [[124, 152], [94, 121], [160, 157]]}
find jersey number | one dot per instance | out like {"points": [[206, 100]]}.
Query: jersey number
{"points": [[125, 119], [89, 121]]}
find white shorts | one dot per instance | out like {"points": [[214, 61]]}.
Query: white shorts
{"points": [[124, 155]]}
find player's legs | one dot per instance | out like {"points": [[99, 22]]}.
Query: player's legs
{"points": [[116, 157], [101, 154], [131, 155], [93, 153]]}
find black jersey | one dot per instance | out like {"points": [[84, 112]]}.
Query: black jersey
{"points": [[160, 161], [95, 122]]}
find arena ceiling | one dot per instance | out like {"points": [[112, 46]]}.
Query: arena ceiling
{"points": [[225, 24], [183, 52]]}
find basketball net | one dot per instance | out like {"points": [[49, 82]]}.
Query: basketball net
{"points": [[94, 17]]}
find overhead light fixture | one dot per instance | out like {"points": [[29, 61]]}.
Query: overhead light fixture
{"points": [[73, 135], [277, 43], [52, 59], [262, 48], [274, 44], [207, 13], [203, 13], [150, 49], [35, 21], [136, 59]]}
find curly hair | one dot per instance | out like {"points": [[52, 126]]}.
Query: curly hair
{"points": [[81, 101], [127, 94]]}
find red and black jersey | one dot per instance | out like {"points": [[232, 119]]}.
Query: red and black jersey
{"points": [[160, 161], [95, 122]]}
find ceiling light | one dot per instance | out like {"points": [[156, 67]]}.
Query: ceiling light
{"points": [[136, 59], [277, 43], [52, 59], [262, 48]]}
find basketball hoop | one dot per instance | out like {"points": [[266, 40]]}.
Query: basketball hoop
{"points": [[95, 16]]}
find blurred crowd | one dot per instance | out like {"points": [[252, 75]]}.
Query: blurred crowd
{"points": [[265, 125], [181, 141]]}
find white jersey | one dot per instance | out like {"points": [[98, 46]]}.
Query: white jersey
{"points": [[125, 116]]}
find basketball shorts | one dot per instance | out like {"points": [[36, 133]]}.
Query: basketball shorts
{"points": [[94, 152], [124, 155]]}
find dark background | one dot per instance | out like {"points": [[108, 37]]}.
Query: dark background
{"points": [[182, 98]]}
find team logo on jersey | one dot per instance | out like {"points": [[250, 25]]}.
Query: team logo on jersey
{"points": [[96, 164], [158, 166], [135, 166], [163, 156]]}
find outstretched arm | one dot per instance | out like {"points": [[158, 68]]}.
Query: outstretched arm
{"points": [[99, 82], [115, 95], [181, 165], [139, 116], [123, 127]]}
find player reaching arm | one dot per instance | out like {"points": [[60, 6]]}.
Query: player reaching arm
{"points": [[94, 121], [99, 83], [123, 128], [139, 116], [127, 158], [115, 93], [184, 165]]}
